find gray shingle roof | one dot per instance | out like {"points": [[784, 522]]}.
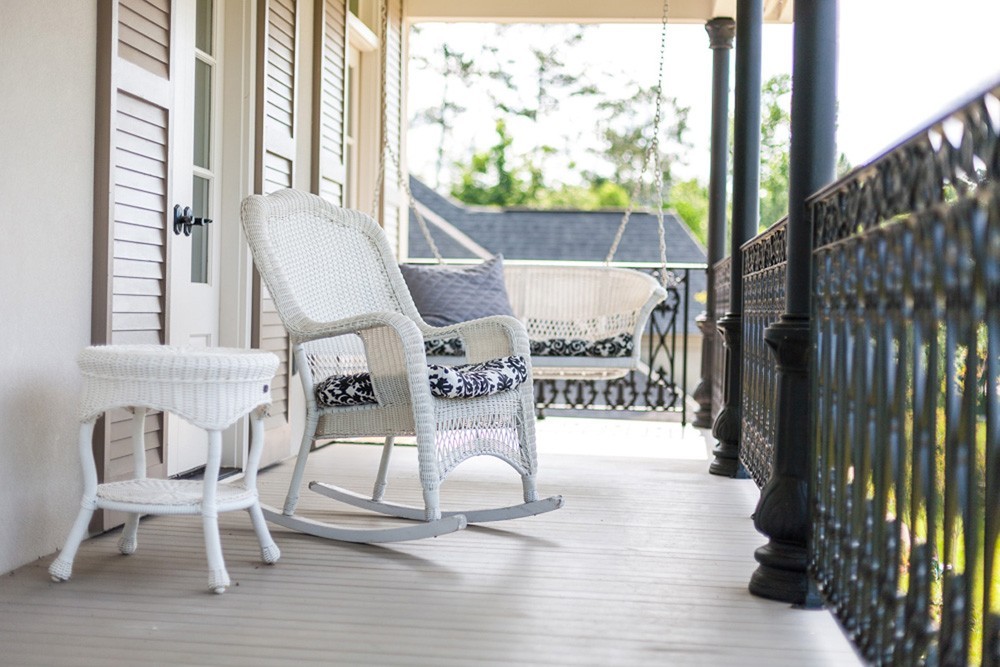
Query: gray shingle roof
{"points": [[551, 234], [557, 235]]}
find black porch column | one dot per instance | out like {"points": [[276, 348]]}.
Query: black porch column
{"points": [[746, 182], [783, 511], [720, 40]]}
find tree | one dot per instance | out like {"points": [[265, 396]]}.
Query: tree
{"points": [[490, 180], [493, 179], [689, 199], [453, 67], [625, 129], [524, 76], [775, 134]]}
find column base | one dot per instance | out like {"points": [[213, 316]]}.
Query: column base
{"points": [[703, 396], [727, 450], [727, 462], [783, 576], [774, 583]]}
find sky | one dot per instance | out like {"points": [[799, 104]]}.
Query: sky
{"points": [[901, 64]]}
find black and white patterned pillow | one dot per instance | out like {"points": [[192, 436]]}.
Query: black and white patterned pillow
{"points": [[464, 381], [616, 346], [444, 347]]}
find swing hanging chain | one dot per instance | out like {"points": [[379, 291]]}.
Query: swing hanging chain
{"points": [[652, 154], [383, 105], [421, 222], [386, 149]]}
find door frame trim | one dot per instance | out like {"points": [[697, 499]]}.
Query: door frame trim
{"points": [[236, 183]]}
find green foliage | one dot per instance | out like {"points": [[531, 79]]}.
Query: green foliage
{"points": [[491, 179], [625, 129], [584, 197], [690, 200], [504, 174], [455, 69], [775, 134], [553, 81]]}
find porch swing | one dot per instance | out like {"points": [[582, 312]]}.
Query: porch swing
{"points": [[583, 323]]}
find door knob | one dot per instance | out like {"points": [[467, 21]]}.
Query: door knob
{"points": [[184, 220]]}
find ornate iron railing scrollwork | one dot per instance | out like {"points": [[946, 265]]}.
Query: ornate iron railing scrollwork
{"points": [[661, 388], [722, 283], [764, 259], [905, 543]]}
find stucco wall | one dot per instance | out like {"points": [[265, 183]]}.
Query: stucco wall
{"points": [[47, 65]]}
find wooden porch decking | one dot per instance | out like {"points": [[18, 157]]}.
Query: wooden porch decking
{"points": [[647, 564]]}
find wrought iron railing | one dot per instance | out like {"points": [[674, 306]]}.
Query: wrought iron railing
{"points": [[660, 384], [906, 414], [715, 345], [764, 259]]}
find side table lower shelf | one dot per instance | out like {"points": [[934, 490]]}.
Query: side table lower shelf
{"points": [[170, 496]]}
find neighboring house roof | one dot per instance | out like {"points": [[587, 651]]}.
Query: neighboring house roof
{"points": [[550, 234], [458, 230]]}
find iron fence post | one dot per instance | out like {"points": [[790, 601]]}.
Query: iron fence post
{"points": [[783, 510], [721, 32], [746, 182]]}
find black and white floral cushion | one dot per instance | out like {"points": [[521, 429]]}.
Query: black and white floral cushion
{"points": [[341, 390], [444, 347], [482, 379], [464, 381], [615, 346]]}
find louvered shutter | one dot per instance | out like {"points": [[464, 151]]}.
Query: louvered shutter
{"points": [[276, 150], [329, 127], [131, 202]]}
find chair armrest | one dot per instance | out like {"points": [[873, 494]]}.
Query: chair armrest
{"points": [[305, 330], [394, 353]]}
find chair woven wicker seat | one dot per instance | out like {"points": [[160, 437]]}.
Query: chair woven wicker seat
{"points": [[340, 294], [211, 388]]}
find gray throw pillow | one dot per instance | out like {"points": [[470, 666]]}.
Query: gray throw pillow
{"points": [[451, 294]]}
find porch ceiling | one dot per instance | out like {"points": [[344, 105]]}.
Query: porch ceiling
{"points": [[584, 11]]}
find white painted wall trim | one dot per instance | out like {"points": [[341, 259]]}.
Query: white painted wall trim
{"points": [[585, 11]]}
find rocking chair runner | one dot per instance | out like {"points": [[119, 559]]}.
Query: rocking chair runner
{"points": [[341, 296]]}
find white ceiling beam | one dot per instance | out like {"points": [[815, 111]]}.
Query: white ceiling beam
{"points": [[583, 11]]}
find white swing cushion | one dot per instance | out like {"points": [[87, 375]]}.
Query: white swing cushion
{"points": [[619, 345], [464, 381]]}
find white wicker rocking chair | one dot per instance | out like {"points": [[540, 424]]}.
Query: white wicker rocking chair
{"points": [[341, 296]]}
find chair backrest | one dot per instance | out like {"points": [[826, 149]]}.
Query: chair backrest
{"points": [[322, 262]]}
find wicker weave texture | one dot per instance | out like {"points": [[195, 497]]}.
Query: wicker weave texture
{"points": [[339, 291], [209, 387], [579, 302]]}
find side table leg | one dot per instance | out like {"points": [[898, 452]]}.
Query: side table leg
{"points": [[129, 541], [269, 551], [61, 568], [218, 578]]}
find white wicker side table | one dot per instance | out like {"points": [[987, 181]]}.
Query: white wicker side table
{"points": [[211, 388]]}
